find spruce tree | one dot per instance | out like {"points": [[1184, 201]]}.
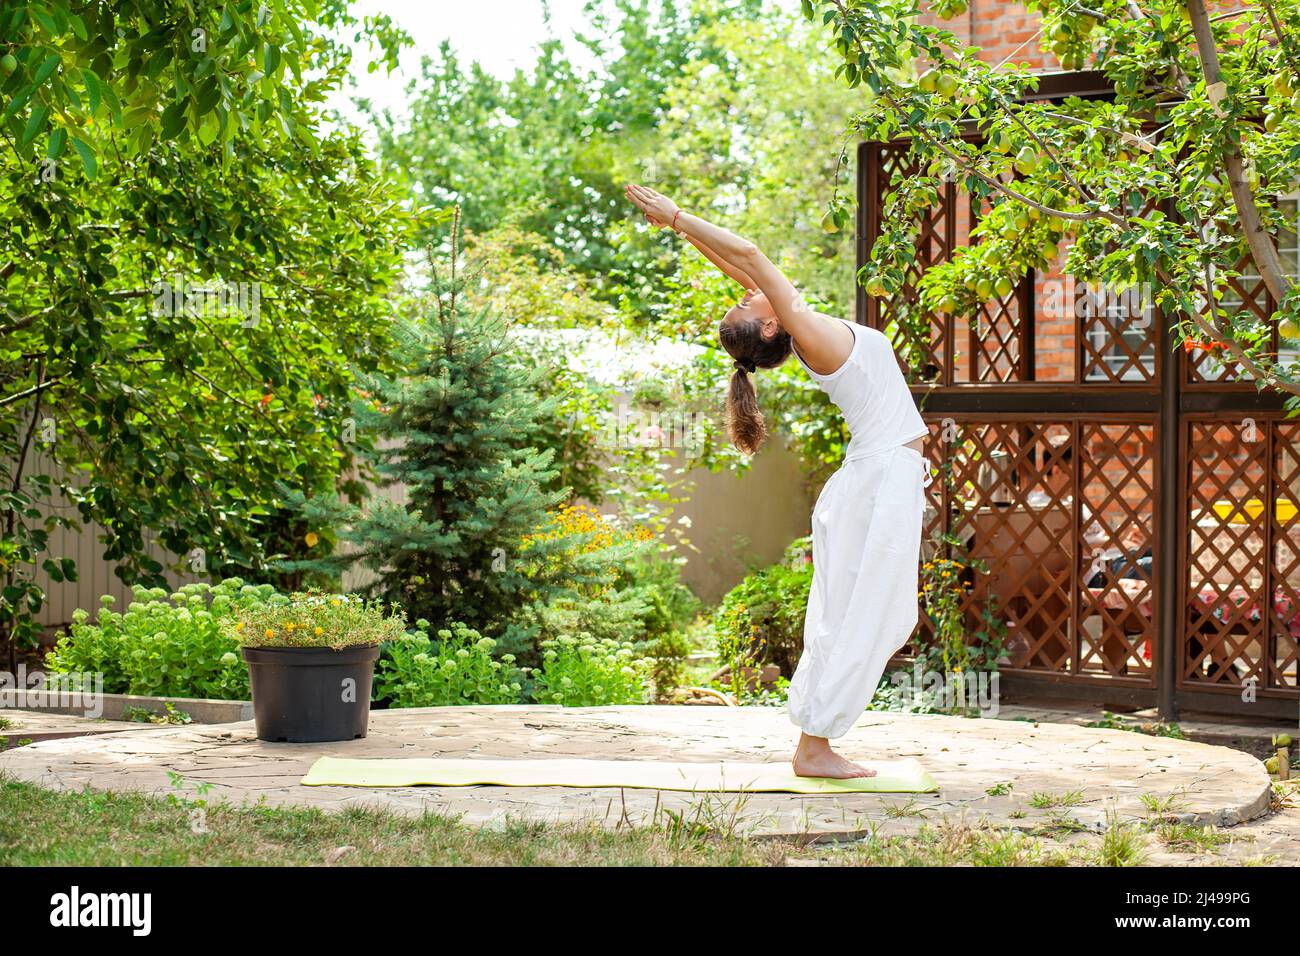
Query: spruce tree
{"points": [[453, 427]]}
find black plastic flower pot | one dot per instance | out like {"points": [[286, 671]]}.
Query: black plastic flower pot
{"points": [[310, 694]]}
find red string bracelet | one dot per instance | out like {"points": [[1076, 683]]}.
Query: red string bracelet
{"points": [[674, 224]]}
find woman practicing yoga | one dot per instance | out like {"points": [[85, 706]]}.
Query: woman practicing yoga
{"points": [[866, 526]]}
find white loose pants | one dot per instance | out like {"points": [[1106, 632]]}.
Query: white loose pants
{"points": [[866, 531]]}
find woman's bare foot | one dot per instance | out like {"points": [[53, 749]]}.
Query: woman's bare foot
{"points": [[814, 758]]}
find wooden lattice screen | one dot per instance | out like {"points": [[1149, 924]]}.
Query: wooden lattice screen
{"points": [[1242, 603], [1112, 487]]}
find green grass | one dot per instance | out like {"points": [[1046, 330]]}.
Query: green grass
{"points": [[1110, 721], [144, 715], [955, 844], [1190, 838], [1122, 844], [900, 810], [1159, 806], [40, 827], [1045, 801], [1060, 823]]}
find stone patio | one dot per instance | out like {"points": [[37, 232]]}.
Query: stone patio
{"points": [[31, 726], [1112, 769]]}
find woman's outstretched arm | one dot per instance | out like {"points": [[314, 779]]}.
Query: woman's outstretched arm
{"points": [[824, 343], [729, 269]]}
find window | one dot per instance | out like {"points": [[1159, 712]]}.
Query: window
{"points": [[1119, 327], [1288, 248]]}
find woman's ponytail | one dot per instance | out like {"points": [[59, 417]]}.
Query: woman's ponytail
{"points": [[743, 339], [745, 425]]}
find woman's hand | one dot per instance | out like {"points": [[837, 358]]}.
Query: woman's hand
{"points": [[659, 210]]}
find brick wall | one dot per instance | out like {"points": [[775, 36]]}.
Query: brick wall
{"points": [[1004, 31]]}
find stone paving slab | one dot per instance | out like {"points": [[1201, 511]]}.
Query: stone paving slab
{"points": [[1274, 839], [37, 725], [1111, 769], [1251, 736]]}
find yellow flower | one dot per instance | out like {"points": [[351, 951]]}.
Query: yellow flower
{"points": [[289, 628], [270, 633], [311, 539]]}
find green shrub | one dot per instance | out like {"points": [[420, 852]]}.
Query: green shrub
{"points": [[761, 619], [901, 699], [671, 604], [458, 668], [621, 587], [614, 615], [958, 645], [314, 619], [584, 671], [163, 645], [669, 653]]}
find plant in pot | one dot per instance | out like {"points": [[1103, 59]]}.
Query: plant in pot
{"points": [[311, 658]]}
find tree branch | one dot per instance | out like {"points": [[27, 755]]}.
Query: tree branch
{"points": [[1238, 353], [1258, 240], [34, 390], [1282, 38], [18, 323]]}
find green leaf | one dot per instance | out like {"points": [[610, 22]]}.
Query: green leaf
{"points": [[35, 123], [91, 82], [173, 119], [209, 96], [18, 102], [58, 140], [47, 22], [136, 117], [114, 104], [87, 156], [48, 66]]}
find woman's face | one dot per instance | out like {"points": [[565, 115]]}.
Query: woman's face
{"points": [[754, 307]]}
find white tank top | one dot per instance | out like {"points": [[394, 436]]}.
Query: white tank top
{"points": [[871, 393]]}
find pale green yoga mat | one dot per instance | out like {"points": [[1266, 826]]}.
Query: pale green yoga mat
{"points": [[892, 776]]}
